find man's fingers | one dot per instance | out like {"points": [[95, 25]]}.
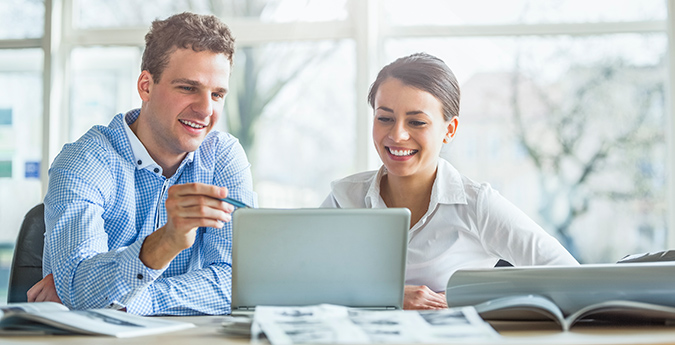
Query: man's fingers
{"points": [[33, 292], [187, 189], [195, 216]]}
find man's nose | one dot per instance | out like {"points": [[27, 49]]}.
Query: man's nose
{"points": [[203, 105]]}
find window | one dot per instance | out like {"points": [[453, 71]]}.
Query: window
{"points": [[550, 90], [20, 145], [590, 114]]}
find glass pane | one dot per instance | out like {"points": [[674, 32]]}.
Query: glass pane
{"points": [[22, 19], [20, 146], [478, 12], [570, 129], [104, 13], [292, 107], [303, 124], [103, 85]]}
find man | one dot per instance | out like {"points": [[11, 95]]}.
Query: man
{"points": [[133, 215]]}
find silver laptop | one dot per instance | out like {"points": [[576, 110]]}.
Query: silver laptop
{"points": [[296, 257]]}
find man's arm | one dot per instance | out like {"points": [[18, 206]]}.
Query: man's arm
{"points": [[188, 207], [207, 286], [191, 206]]}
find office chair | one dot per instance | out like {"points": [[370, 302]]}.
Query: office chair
{"points": [[503, 263], [26, 267]]}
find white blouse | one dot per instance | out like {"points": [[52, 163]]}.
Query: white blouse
{"points": [[467, 225]]}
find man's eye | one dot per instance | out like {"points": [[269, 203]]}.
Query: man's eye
{"points": [[218, 96], [187, 88]]}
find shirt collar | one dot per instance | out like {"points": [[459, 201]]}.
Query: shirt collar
{"points": [[142, 159], [373, 197], [448, 187]]}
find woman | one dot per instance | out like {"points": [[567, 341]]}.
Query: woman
{"points": [[455, 222]]}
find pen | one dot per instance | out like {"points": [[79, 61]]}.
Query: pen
{"points": [[236, 203]]}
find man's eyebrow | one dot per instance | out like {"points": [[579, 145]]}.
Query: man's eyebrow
{"points": [[195, 83], [185, 81]]}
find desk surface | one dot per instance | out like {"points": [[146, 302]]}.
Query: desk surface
{"points": [[206, 333]]}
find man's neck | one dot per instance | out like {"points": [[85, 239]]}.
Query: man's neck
{"points": [[168, 162]]}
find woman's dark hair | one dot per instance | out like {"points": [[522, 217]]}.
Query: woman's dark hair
{"points": [[427, 73], [185, 31]]}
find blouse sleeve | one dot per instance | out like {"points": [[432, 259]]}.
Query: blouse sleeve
{"points": [[508, 233]]}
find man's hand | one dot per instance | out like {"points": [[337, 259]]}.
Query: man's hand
{"points": [[421, 297], [188, 207], [44, 291]]}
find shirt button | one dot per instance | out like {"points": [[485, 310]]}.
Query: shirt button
{"points": [[139, 276], [139, 162], [156, 170]]}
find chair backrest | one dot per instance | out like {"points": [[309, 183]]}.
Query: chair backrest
{"points": [[27, 261]]}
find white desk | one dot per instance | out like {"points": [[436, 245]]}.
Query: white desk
{"points": [[206, 333]]}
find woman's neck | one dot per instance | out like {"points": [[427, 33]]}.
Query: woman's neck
{"points": [[411, 192]]}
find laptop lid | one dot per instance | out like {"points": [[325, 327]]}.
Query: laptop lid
{"points": [[295, 257]]}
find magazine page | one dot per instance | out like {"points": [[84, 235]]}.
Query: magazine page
{"points": [[521, 308], [571, 288], [324, 324], [31, 307], [96, 322], [624, 312]]}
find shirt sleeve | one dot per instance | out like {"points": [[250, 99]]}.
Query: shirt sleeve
{"points": [[508, 233], [207, 287], [86, 273], [204, 290]]}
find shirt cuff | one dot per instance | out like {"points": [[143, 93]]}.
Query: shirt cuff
{"points": [[134, 274]]}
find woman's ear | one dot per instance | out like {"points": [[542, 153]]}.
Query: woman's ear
{"points": [[452, 129], [144, 85]]}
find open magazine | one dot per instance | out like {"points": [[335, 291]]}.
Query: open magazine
{"points": [[332, 324], [636, 293], [55, 318]]}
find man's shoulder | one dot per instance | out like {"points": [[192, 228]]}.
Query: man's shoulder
{"points": [[99, 141], [218, 139], [219, 146]]}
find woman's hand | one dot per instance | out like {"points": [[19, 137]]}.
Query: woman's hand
{"points": [[421, 297]]}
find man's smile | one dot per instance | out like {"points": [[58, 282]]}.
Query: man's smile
{"points": [[192, 124]]}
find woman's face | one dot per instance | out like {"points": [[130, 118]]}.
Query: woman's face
{"points": [[409, 128]]}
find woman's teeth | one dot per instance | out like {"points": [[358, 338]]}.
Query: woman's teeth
{"points": [[401, 153]]}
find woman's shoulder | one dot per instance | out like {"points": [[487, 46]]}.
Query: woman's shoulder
{"points": [[351, 191], [452, 181], [362, 178]]}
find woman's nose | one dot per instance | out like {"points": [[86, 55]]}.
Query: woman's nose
{"points": [[399, 132]]}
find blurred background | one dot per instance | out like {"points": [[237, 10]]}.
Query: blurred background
{"points": [[566, 105]]}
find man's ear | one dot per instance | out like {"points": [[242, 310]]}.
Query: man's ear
{"points": [[144, 85]]}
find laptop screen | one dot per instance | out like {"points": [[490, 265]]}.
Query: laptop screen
{"points": [[294, 257]]}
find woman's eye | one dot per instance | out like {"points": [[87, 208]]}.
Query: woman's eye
{"points": [[418, 123], [383, 119]]}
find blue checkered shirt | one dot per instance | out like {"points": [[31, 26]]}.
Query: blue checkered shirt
{"points": [[100, 207]]}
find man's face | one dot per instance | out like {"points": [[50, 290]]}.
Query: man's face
{"points": [[182, 108]]}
